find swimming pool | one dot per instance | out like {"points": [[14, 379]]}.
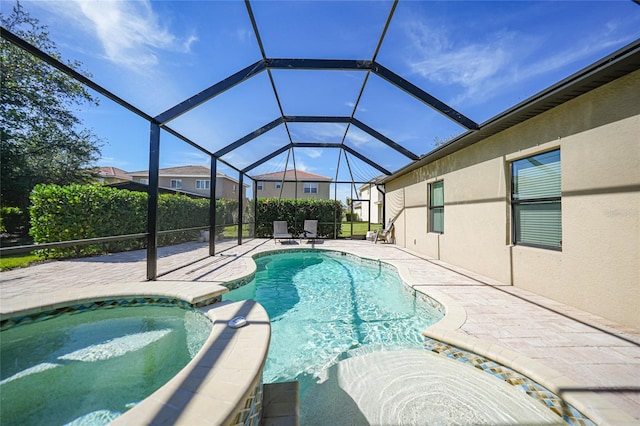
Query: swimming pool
{"points": [[89, 366], [326, 306], [350, 332]]}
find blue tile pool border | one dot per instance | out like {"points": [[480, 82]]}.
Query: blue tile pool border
{"points": [[108, 303], [556, 404]]}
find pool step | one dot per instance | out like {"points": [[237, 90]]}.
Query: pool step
{"points": [[280, 404]]}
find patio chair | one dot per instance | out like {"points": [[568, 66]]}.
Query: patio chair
{"points": [[280, 231], [310, 230], [386, 234]]}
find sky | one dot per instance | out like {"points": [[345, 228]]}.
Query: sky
{"points": [[480, 58]]}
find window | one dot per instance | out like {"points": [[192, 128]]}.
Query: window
{"points": [[259, 186], [436, 207], [144, 181], [536, 201], [278, 185], [176, 183], [233, 189], [310, 187], [203, 184]]}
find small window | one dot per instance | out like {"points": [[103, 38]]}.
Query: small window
{"points": [[278, 185], [310, 187], [176, 183], [233, 189], [144, 181], [536, 201], [259, 186], [436, 207], [203, 184]]}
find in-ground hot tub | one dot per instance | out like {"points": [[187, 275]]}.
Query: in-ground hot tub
{"points": [[90, 364], [221, 383]]}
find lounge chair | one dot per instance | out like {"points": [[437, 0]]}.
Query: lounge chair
{"points": [[386, 234], [310, 230], [280, 231]]}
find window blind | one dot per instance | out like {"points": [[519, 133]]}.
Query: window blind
{"points": [[536, 199], [436, 207]]}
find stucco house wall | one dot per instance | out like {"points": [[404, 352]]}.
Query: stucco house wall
{"points": [[226, 187], [269, 185], [289, 190], [374, 205], [598, 268]]}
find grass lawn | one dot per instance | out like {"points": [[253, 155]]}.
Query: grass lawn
{"points": [[359, 228], [18, 261], [231, 231]]}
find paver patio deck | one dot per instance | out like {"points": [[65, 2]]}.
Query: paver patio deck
{"points": [[598, 355]]}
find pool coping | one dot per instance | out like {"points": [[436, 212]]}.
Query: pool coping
{"points": [[596, 408], [222, 384]]}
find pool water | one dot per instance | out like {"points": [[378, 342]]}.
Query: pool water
{"points": [[325, 307], [90, 366]]}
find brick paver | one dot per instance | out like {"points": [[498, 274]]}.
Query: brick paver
{"points": [[596, 353]]}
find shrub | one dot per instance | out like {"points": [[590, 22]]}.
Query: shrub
{"points": [[74, 212], [12, 220], [327, 212]]}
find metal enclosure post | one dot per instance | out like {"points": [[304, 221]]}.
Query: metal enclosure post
{"points": [[351, 210], [240, 206], [152, 201], [212, 206], [335, 214], [369, 203], [255, 208]]}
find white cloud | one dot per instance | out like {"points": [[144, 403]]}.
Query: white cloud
{"points": [[130, 32], [358, 137], [313, 153], [484, 68], [438, 59]]}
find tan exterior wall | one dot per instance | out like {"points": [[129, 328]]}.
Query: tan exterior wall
{"points": [[598, 269], [225, 188], [269, 190]]}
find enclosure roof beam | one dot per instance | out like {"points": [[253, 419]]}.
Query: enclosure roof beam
{"points": [[424, 97], [26, 46], [317, 145], [212, 92], [382, 138], [319, 64], [365, 159], [266, 158], [262, 130], [315, 119]]}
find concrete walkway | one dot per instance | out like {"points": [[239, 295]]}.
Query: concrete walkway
{"points": [[596, 355]]}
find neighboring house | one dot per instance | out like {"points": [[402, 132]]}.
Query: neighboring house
{"points": [[544, 197], [371, 201], [193, 180], [112, 175], [309, 185]]}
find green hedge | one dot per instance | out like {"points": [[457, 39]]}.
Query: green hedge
{"points": [[295, 212], [74, 212], [11, 220]]}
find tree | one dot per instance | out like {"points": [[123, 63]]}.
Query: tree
{"points": [[42, 140]]}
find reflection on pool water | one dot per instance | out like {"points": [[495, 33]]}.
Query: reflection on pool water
{"points": [[90, 366], [324, 307]]}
